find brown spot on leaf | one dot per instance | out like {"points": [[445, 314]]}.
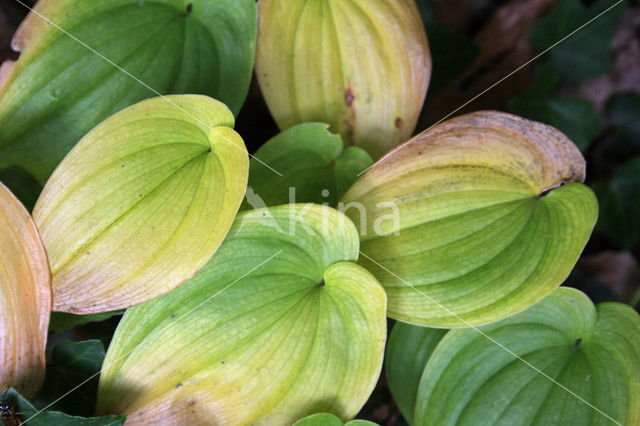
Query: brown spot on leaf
{"points": [[398, 123], [349, 97]]}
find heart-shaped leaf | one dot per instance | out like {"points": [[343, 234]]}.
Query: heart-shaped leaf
{"points": [[590, 356], [361, 66], [278, 325], [25, 298], [326, 419], [67, 79], [141, 203], [311, 161], [460, 224]]}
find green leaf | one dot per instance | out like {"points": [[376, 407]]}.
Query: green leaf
{"points": [[24, 186], [408, 351], [47, 418], [311, 160], [72, 363], [278, 325], [584, 54], [326, 419], [62, 321], [462, 224], [61, 87], [141, 203], [474, 378], [576, 117], [620, 206]]}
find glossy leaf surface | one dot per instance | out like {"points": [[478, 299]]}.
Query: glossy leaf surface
{"points": [[70, 77], [589, 354], [408, 351]]}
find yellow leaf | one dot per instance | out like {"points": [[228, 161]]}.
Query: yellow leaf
{"points": [[25, 298], [362, 66], [141, 202]]}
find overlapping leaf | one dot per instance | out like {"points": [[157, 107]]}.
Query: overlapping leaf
{"points": [[67, 78], [578, 365], [339, 62], [408, 351], [462, 226], [25, 298], [278, 325], [313, 165], [141, 203]]}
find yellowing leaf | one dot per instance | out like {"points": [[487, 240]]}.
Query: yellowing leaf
{"points": [[362, 66], [25, 298], [461, 225], [141, 203], [278, 325]]}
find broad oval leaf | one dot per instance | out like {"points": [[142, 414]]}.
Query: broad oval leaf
{"points": [[462, 226], [313, 168], [361, 66], [326, 419], [65, 83], [25, 298], [278, 325], [589, 354], [141, 202]]}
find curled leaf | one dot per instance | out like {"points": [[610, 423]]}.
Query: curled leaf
{"points": [[361, 66], [588, 353], [141, 203], [278, 325], [474, 220], [314, 168], [25, 298], [70, 77]]}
